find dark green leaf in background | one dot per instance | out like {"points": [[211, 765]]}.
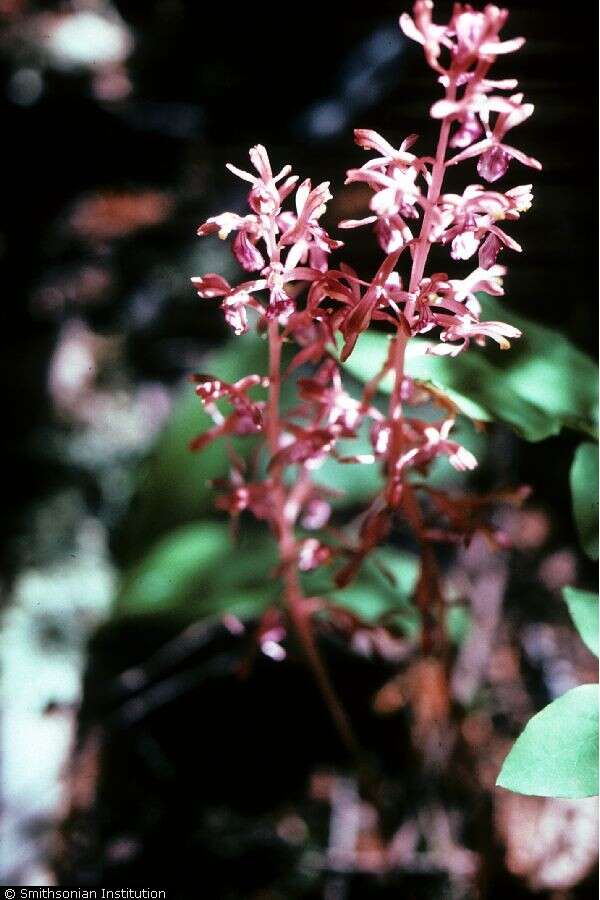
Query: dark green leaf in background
{"points": [[584, 491], [583, 606], [197, 571], [542, 384], [174, 483]]}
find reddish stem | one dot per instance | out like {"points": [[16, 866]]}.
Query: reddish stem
{"points": [[295, 601], [398, 355]]}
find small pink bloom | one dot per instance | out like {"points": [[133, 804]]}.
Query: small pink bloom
{"points": [[380, 438], [467, 328], [312, 554], [246, 253], [307, 446], [316, 514], [235, 314], [264, 197], [489, 281], [422, 29], [235, 300], [493, 163], [211, 285], [281, 306], [433, 442], [496, 155], [241, 496], [470, 130], [308, 239], [464, 245], [334, 405], [488, 252]]}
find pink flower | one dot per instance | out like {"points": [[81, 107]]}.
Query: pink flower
{"points": [[235, 300], [316, 514], [469, 36], [312, 554], [247, 415], [488, 251], [306, 446], [249, 230], [466, 220], [477, 33], [432, 443], [465, 328], [495, 155], [244, 249], [240, 496], [333, 404], [464, 245], [309, 239], [298, 298], [264, 198], [392, 177], [488, 281], [493, 163], [422, 29], [470, 129]]}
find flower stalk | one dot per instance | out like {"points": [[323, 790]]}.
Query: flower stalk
{"points": [[298, 297]]}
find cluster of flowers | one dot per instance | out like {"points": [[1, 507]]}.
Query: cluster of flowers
{"points": [[297, 298]]}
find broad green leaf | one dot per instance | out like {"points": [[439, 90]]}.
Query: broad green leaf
{"points": [[354, 482], [458, 623], [372, 595], [557, 753], [583, 606], [174, 483], [243, 602], [542, 384], [174, 569], [584, 491], [197, 571]]}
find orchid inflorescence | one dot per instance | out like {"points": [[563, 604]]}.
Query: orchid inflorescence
{"points": [[296, 298]]}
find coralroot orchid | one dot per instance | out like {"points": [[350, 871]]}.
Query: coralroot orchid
{"points": [[296, 296]]}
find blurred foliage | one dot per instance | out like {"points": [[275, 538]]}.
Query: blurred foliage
{"points": [[541, 385], [174, 484], [384, 588], [557, 754], [200, 570], [584, 491], [195, 568], [196, 572], [583, 606]]}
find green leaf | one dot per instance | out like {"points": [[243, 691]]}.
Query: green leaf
{"points": [[458, 623], [173, 485], [557, 753], [583, 606], [373, 595], [354, 482], [584, 491], [542, 384], [175, 568], [197, 571]]}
